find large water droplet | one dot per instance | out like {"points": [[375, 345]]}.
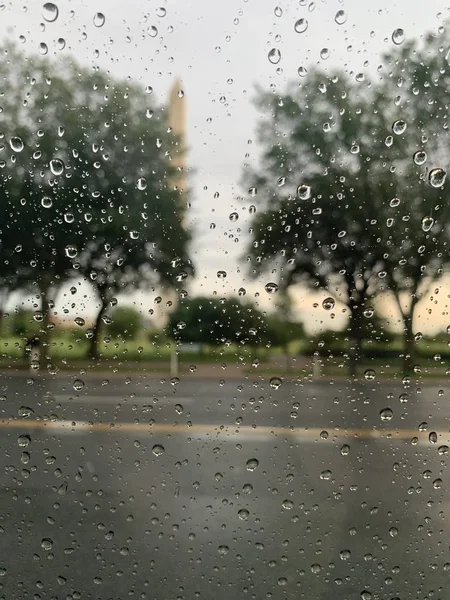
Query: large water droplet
{"points": [[16, 144], [79, 321], [398, 36], [56, 166], [427, 223], [386, 414], [158, 449], [304, 191], [275, 382], [43, 48], [141, 183], [223, 550], [25, 411], [301, 25], [78, 385], [369, 374], [24, 440], [71, 251], [50, 12], [47, 544], [399, 126], [252, 464], [340, 17], [328, 303], [420, 157], [243, 514], [271, 287], [274, 56], [437, 177], [99, 19]]}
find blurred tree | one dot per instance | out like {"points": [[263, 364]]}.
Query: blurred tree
{"points": [[340, 204], [22, 324], [85, 187], [126, 322], [217, 321]]}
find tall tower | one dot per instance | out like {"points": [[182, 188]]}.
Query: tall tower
{"points": [[177, 122]]}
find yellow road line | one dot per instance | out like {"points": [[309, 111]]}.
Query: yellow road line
{"points": [[54, 427]]}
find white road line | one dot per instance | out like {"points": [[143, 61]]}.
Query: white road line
{"points": [[113, 400]]}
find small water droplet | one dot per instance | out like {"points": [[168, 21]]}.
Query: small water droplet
{"points": [[368, 312], [345, 450], [99, 19], [179, 408], [393, 531], [443, 450], [158, 449], [369, 374], [223, 550], [25, 411], [437, 483], [325, 53], [221, 274], [326, 475], [288, 504], [345, 554], [43, 48], [61, 43], [394, 202], [398, 36], [50, 12], [301, 25], [234, 217], [252, 464], [432, 437], [437, 177], [79, 321], [71, 251], [302, 72], [278, 11], [141, 183], [243, 514], [274, 56]]}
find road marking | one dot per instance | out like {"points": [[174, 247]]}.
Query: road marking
{"points": [[151, 400], [208, 431]]}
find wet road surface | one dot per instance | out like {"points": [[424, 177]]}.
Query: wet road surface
{"points": [[138, 488]]}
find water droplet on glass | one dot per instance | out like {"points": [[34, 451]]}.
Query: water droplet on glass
{"points": [[398, 36], [152, 31], [443, 450], [141, 183], [368, 312], [275, 382], [223, 550], [158, 449], [50, 12], [252, 464], [328, 303], [326, 475], [221, 274], [345, 554], [24, 440], [234, 217], [56, 166], [365, 595], [369, 374], [399, 127], [386, 414], [99, 19], [61, 43], [432, 437], [288, 504], [325, 53], [420, 157], [345, 450], [179, 409], [340, 17], [427, 223], [302, 72], [301, 25], [71, 251], [25, 411], [78, 385], [79, 321], [304, 191], [393, 531], [274, 56], [394, 202], [43, 48], [437, 177], [271, 287], [16, 144], [437, 483], [47, 544], [278, 11], [243, 514]]}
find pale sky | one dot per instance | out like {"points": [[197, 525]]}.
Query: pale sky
{"points": [[220, 51]]}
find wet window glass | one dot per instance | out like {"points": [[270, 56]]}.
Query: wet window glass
{"points": [[224, 299]]}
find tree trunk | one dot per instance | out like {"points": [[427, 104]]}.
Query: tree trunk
{"points": [[288, 357], [44, 346], [409, 347], [94, 341], [356, 338]]}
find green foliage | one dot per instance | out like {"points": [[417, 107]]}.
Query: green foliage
{"points": [[21, 323], [217, 321], [126, 322]]}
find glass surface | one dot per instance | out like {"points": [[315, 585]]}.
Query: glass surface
{"points": [[224, 322]]}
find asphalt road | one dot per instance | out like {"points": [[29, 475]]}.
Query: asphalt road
{"points": [[140, 488]]}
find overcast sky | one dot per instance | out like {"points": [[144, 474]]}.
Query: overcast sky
{"points": [[220, 49]]}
